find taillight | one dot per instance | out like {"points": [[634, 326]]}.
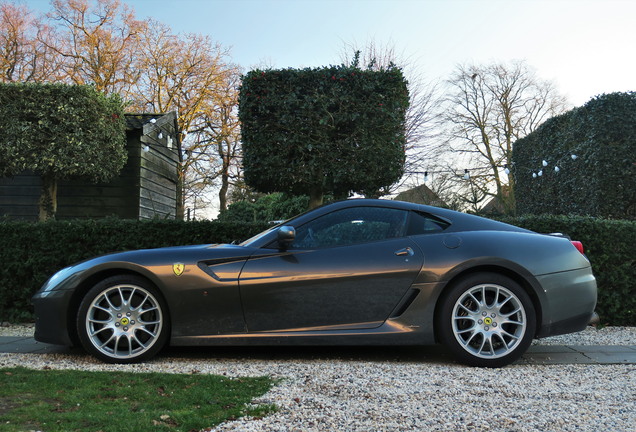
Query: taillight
{"points": [[579, 246]]}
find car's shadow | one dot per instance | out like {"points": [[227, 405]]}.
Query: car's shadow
{"points": [[429, 354]]}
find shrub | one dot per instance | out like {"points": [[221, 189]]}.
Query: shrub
{"points": [[267, 208]]}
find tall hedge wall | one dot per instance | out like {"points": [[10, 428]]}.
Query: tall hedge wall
{"points": [[600, 181], [31, 253]]}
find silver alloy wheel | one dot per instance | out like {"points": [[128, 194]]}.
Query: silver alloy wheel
{"points": [[124, 321], [489, 321]]}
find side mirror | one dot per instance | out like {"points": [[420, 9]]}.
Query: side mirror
{"points": [[286, 236]]}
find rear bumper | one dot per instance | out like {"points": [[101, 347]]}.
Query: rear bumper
{"points": [[570, 300], [595, 319], [565, 326]]}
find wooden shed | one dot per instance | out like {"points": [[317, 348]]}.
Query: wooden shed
{"points": [[146, 188]]}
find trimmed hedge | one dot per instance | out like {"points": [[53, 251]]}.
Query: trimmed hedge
{"points": [[31, 253], [601, 179], [60, 131], [323, 130]]}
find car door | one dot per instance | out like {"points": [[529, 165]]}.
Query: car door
{"points": [[346, 269]]}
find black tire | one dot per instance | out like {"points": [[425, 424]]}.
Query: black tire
{"points": [[123, 319], [486, 320]]}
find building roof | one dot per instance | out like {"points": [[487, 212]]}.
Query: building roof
{"points": [[421, 194]]}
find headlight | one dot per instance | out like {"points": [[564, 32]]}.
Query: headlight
{"points": [[56, 279]]}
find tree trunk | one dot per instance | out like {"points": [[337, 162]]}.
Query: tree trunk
{"points": [[180, 197], [223, 191], [510, 203], [180, 193], [315, 198], [48, 197]]}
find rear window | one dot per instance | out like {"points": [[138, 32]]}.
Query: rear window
{"points": [[423, 223]]}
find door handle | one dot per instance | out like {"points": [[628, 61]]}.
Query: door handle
{"points": [[405, 252]]}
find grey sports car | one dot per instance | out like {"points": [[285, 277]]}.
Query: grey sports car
{"points": [[356, 272]]}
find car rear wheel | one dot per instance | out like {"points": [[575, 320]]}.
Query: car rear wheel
{"points": [[123, 319], [486, 319]]}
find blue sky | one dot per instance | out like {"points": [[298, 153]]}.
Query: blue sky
{"points": [[585, 46]]}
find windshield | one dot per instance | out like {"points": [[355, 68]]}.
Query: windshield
{"points": [[250, 240], [258, 236]]}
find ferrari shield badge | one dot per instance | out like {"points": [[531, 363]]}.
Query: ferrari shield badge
{"points": [[178, 268]]}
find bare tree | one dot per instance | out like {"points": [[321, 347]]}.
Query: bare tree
{"points": [[188, 74], [489, 107], [98, 41], [218, 132], [24, 57], [222, 129]]}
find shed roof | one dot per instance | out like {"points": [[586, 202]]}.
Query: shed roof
{"points": [[137, 121]]}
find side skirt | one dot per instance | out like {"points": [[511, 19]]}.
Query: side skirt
{"points": [[389, 333]]}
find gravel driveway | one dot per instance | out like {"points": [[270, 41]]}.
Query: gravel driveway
{"points": [[405, 389]]}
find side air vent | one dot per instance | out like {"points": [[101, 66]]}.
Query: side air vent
{"points": [[406, 302]]}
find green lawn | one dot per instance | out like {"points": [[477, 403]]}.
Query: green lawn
{"points": [[51, 400]]}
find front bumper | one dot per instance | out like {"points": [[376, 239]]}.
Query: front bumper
{"points": [[51, 317]]}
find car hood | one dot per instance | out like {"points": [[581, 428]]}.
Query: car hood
{"points": [[144, 259], [174, 254]]}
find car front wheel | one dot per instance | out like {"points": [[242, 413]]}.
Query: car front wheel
{"points": [[487, 320], [123, 319]]}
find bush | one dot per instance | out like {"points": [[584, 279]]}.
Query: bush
{"points": [[267, 208], [31, 253], [609, 245]]}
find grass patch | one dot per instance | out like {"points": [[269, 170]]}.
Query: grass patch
{"points": [[51, 400]]}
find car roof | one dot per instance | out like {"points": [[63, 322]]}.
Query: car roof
{"points": [[459, 221]]}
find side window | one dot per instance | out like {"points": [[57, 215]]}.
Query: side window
{"points": [[422, 223], [351, 226]]}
